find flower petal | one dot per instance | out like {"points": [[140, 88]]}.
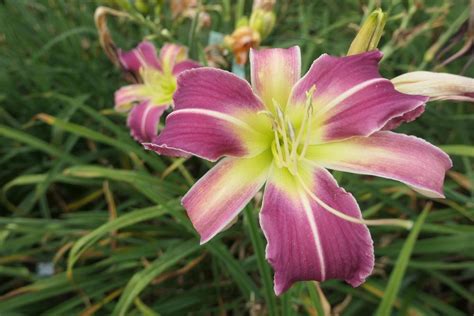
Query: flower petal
{"points": [[407, 159], [437, 86], [405, 118], [351, 98], [216, 199], [170, 54], [217, 90], [305, 242], [144, 55], [274, 71], [143, 121], [210, 135], [185, 65], [165, 150], [125, 96], [215, 115]]}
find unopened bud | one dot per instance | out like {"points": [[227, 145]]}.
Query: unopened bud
{"points": [[142, 6], [369, 35], [262, 21], [266, 5]]}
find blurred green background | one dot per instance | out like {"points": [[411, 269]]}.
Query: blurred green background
{"points": [[91, 224]]}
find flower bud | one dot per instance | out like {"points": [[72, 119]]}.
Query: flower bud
{"points": [[262, 21], [437, 86], [266, 5], [142, 6], [369, 34]]}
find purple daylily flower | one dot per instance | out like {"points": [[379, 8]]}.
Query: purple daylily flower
{"points": [[284, 132], [148, 100]]}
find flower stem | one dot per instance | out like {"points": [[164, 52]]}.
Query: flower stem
{"points": [[317, 298], [259, 248]]}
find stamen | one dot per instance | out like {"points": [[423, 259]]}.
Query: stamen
{"points": [[287, 140], [309, 96], [309, 120], [374, 222], [298, 138], [307, 135], [294, 147], [267, 113], [292, 132], [282, 129], [279, 154]]}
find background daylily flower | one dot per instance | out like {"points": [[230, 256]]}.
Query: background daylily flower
{"points": [[284, 132], [149, 99]]}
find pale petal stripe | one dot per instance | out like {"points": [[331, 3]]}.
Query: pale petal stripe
{"points": [[407, 159], [306, 242], [210, 135], [274, 72], [143, 121], [214, 201], [217, 115], [351, 98], [315, 234], [348, 93]]}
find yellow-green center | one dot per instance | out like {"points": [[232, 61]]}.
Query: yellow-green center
{"points": [[290, 143], [159, 85]]}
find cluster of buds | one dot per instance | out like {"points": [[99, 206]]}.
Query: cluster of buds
{"points": [[249, 33]]}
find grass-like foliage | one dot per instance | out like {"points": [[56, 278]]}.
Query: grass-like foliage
{"points": [[91, 223]]}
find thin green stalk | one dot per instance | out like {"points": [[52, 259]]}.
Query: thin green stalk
{"points": [[263, 267], [315, 298], [286, 304], [192, 33]]}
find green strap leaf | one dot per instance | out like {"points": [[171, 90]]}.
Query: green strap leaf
{"points": [[141, 279], [394, 283], [131, 218]]}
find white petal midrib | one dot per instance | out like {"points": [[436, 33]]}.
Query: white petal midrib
{"points": [[219, 115], [314, 229], [346, 94]]}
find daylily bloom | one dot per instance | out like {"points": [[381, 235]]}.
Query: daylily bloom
{"points": [[150, 98], [284, 132]]}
